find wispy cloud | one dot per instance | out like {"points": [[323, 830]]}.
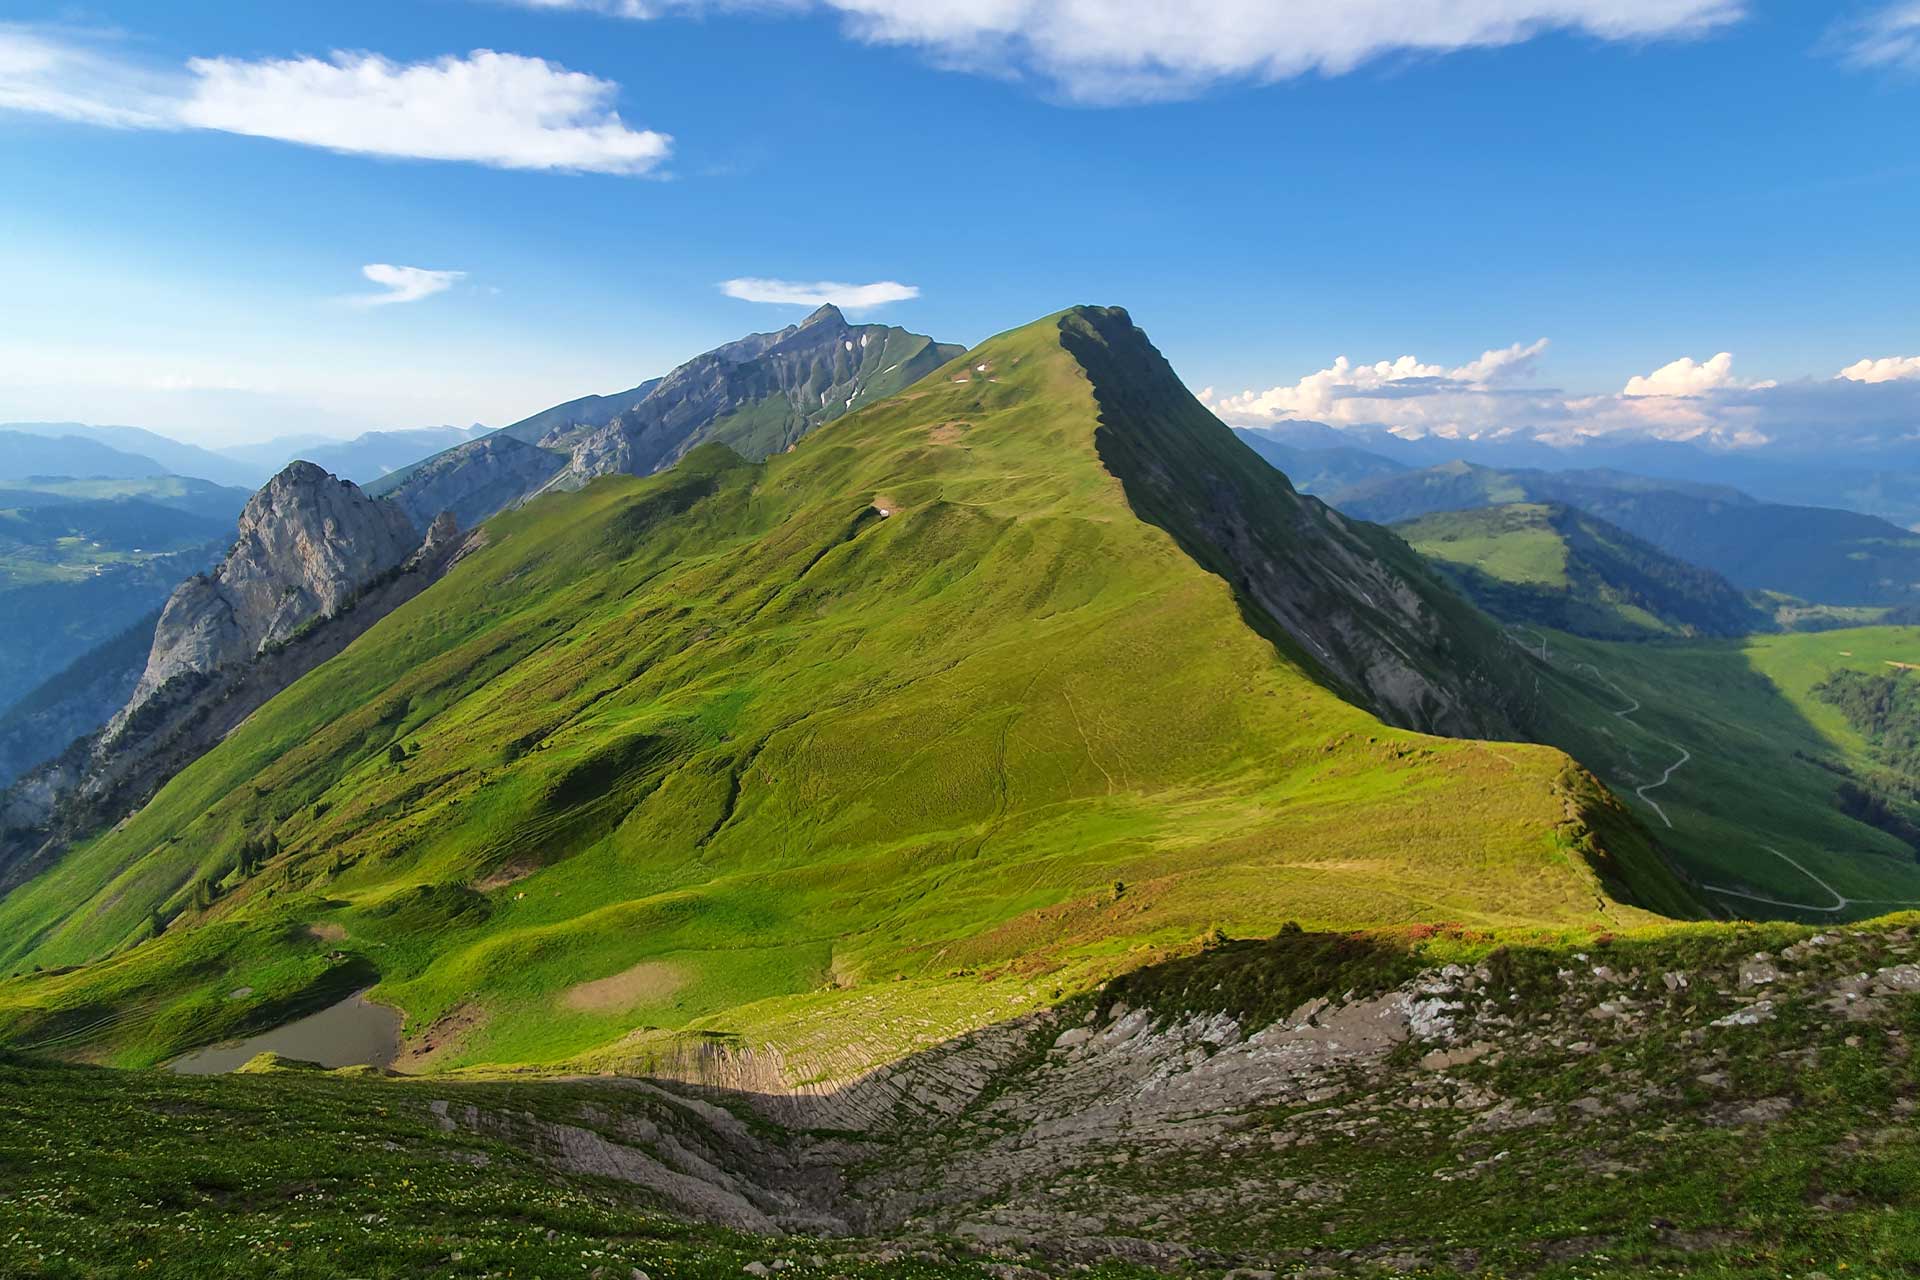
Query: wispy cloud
{"points": [[1107, 51], [1888, 39], [501, 110], [404, 284], [852, 297]]}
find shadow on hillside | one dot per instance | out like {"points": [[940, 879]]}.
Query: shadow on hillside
{"points": [[1726, 772]]}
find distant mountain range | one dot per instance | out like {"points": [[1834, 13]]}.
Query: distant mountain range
{"points": [[1815, 554], [1884, 482], [362, 459], [757, 396], [1548, 565]]}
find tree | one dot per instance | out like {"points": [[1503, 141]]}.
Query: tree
{"points": [[396, 754]]}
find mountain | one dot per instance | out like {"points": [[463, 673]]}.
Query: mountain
{"points": [[24, 455], [1873, 478], [308, 543], [74, 702], [587, 411], [364, 458], [1319, 470], [787, 770], [757, 395], [76, 570], [1547, 565], [202, 498], [1815, 554], [314, 564], [172, 455], [473, 480]]}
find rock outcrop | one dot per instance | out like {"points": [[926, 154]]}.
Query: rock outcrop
{"points": [[476, 480], [308, 544], [757, 396], [316, 563]]}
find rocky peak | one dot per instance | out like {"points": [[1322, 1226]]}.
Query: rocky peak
{"points": [[308, 542], [827, 314]]}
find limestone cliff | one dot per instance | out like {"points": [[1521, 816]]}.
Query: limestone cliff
{"points": [[308, 544]]}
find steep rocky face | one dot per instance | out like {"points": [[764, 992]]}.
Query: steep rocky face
{"points": [[1349, 598], [476, 479], [308, 543], [757, 396]]}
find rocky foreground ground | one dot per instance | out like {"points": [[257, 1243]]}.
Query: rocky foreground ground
{"points": [[1713, 1101]]}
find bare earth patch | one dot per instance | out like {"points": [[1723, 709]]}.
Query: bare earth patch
{"points": [[442, 1039], [328, 932], [947, 432], [505, 875], [647, 981]]}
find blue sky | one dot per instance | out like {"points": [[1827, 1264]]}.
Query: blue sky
{"points": [[1266, 185]]}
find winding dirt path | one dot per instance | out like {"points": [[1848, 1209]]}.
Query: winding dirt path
{"points": [[1841, 902]]}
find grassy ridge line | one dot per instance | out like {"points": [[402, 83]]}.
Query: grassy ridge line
{"points": [[728, 743]]}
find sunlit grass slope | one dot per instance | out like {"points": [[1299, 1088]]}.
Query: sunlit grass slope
{"points": [[1765, 759], [919, 707]]}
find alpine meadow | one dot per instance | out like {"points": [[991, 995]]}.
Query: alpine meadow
{"points": [[1412, 770]]}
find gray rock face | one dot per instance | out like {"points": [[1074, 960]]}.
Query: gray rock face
{"points": [[476, 479], [308, 543], [757, 396]]}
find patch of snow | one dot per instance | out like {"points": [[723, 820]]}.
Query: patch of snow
{"points": [[849, 344]]}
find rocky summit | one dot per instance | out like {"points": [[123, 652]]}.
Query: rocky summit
{"points": [[308, 543]]}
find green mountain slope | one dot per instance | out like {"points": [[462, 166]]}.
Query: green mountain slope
{"points": [[1814, 554], [953, 707], [1552, 566], [1730, 751]]}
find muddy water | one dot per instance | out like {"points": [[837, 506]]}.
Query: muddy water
{"points": [[355, 1032]]}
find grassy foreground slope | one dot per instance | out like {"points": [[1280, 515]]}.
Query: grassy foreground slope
{"points": [[897, 732]]}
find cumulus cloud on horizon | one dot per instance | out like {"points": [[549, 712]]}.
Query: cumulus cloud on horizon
{"points": [[1107, 51], [501, 110], [404, 284], [850, 297], [1703, 401], [1887, 369]]}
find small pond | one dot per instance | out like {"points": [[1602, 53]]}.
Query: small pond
{"points": [[355, 1032]]}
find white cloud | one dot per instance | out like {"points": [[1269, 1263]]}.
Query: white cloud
{"points": [[1125, 50], [1411, 396], [1868, 404], [1890, 369], [1888, 39], [853, 297], [1684, 377], [404, 284], [496, 109]]}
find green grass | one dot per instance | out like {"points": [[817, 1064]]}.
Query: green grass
{"points": [[1549, 565], [733, 721], [1392, 1171], [1768, 755]]}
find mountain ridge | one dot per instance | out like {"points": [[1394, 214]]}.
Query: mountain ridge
{"points": [[724, 750]]}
